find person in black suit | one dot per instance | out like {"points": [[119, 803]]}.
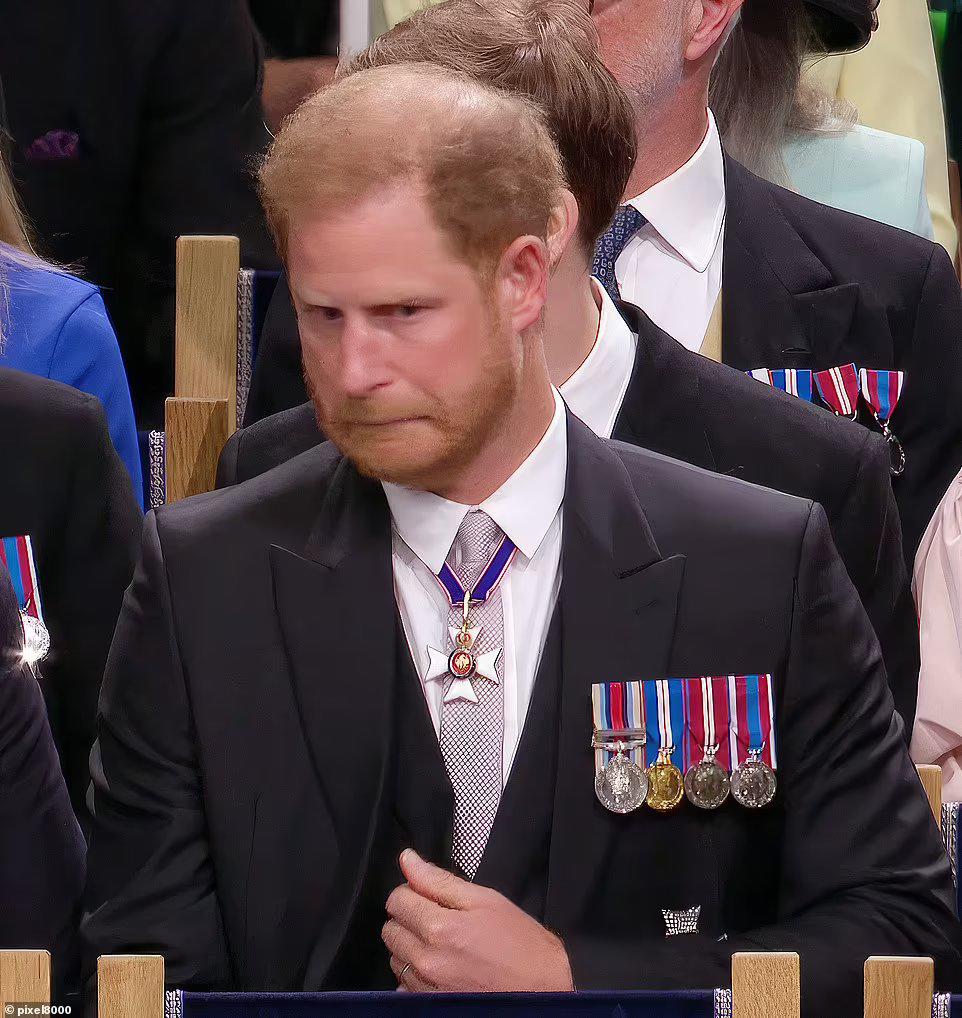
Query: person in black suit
{"points": [[786, 282], [633, 382], [300, 614], [133, 124], [41, 848], [798, 285], [65, 487]]}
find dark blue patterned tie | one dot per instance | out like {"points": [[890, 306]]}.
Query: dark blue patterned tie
{"points": [[627, 222]]}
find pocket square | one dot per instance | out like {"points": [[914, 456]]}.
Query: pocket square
{"points": [[53, 146]]}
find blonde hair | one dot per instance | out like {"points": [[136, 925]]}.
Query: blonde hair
{"points": [[13, 226], [487, 165], [548, 51]]}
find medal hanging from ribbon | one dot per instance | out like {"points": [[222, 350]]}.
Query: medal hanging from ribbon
{"points": [[665, 716], [752, 739], [707, 750], [17, 555], [794, 381], [461, 664], [618, 716], [882, 391], [839, 388]]}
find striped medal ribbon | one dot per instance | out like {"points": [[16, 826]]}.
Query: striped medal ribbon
{"points": [[839, 389], [665, 713], [707, 784], [16, 553], [618, 716], [882, 391], [794, 381], [752, 739]]}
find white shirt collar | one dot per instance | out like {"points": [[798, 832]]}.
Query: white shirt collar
{"points": [[523, 507], [596, 390], [687, 209]]}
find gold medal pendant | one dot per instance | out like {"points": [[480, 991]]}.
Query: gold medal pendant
{"points": [[666, 786]]}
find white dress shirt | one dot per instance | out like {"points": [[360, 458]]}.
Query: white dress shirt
{"points": [[595, 392], [527, 507], [672, 268]]}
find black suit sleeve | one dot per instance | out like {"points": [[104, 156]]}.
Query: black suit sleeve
{"points": [[864, 871], [868, 533], [928, 420], [41, 847], [227, 463], [98, 549], [151, 880]]}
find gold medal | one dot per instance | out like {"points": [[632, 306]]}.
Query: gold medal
{"points": [[666, 786]]}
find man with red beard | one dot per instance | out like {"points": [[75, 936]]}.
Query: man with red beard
{"points": [[347, 725]]}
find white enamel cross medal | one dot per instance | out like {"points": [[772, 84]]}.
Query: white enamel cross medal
{"points": [[461, 665]]}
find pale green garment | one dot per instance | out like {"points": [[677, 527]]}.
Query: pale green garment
{"points": [[387, 13], [872, 173]]}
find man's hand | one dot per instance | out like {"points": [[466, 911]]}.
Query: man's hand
{"points": [[447, 934]]}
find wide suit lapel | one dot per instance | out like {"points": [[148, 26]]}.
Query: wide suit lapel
{"points": [[781, 307], [618, 601], [336, 612]]}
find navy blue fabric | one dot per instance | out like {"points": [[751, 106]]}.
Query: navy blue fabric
{"points": [[265, 282], [683, 1004]]}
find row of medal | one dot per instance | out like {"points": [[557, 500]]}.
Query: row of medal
{"points": [[840, 389], [660, 741]]}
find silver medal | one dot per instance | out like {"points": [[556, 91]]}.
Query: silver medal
{"points": [[36, 639], [621, 786], [707, 785], [753, 782]]}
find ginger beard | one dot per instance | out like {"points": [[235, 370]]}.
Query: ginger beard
{"points": [[425, 441]]}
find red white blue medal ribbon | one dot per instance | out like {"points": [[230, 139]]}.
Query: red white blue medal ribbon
{"points": [[882, 391], [665, 717], [752, 714], [839, 389], [706, 713], [794, 381], [17, 554], [489, 579], [618, 707]]}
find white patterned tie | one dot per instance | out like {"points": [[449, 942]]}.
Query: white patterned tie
{"points": [[472, 734]]}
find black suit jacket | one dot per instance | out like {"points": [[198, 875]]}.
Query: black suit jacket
{"points": [[62, 483], [804, 286], [165, 100], [807, 286], [41, 847], [234, 806], [683, 405]]}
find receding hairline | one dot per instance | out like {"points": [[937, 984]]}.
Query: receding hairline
{"points": [[399, 121], [451, 91]]}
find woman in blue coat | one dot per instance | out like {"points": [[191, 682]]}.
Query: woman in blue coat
{"points": [[55, 325]]}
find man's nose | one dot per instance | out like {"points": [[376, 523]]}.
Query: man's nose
{"points": [[362, 360]]}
